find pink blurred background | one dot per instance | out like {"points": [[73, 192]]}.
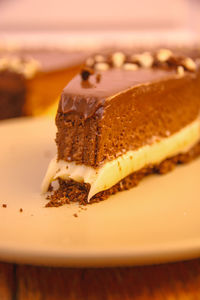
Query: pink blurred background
{"points": [[109, 19]]}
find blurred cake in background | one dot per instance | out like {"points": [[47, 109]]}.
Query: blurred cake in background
{"points": [[31, 80], [12, 94]]}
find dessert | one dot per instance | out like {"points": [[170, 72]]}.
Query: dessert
{"points": [[122, 118], [45, 72]]}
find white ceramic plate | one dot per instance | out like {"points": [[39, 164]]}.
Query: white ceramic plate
{"points": [[155, 222]]}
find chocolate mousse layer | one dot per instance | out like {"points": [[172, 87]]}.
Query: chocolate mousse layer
{"points": [[104, 114], [12, 94]]}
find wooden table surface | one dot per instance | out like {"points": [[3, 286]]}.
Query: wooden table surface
{"points": [[179, 280]]}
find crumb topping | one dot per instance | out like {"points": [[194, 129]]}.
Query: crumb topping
{"points": [[161, 59]]}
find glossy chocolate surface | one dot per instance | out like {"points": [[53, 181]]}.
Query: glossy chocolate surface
{"points": [[85, 97]]}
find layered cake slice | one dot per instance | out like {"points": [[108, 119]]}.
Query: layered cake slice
{"points": [[122, 118]]}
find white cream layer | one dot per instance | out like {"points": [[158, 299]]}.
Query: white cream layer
{"points": [[113, 171]]}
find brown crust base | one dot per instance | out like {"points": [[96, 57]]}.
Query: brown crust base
{"points": [[71, 191]]}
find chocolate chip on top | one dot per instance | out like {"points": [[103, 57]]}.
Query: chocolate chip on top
{"points": [[85, 73], [161, 59]]}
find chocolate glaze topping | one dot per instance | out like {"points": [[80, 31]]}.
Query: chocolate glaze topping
{"points": [[119, 72], [83, 105], [86, 99]]}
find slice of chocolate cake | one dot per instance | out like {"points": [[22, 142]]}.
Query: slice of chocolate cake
{"points": [[122, 118]]}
